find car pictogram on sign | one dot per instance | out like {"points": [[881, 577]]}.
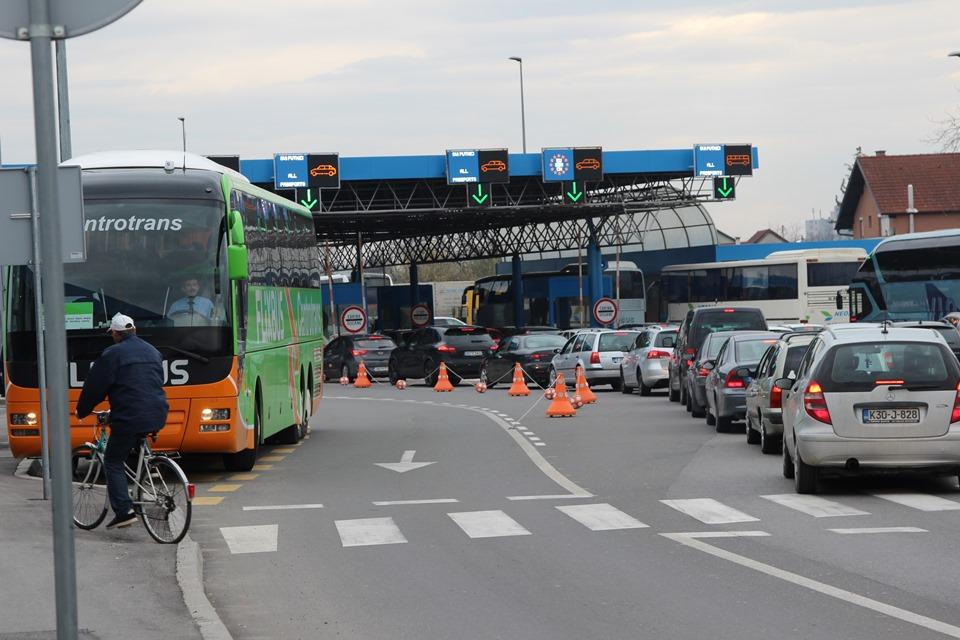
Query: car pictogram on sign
{"points": [[494, 165], [738, 159], [323, 170], [588, 163]]}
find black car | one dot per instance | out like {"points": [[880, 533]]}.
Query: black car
{"points": [[947, 330], [461, 348], [696, 325], [534, 353], [342, 356]]}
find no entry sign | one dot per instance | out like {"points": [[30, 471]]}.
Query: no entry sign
{"points": [[605, 310], [353, 319], [419, 315]]}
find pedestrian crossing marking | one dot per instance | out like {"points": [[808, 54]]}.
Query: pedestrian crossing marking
{"points": [[920, 501], [488, 524], [601, 517], [814, 505], [709, 511], [365, 532], [251, 539]]}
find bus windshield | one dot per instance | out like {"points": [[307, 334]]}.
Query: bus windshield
{"points": [[920, 283]]}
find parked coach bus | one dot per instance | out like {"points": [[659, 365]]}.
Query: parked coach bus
{"points": [[788, 286], [220, 276], [915, 276]]}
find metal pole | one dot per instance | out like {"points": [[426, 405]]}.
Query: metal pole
{"points": [[334, 320], [44, 116], [41, 359], [583, 310], [363, 285], [63, 100], [523, 116], [618, 280]]}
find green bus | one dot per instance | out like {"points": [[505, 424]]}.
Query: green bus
{"points": [[222, 277]]}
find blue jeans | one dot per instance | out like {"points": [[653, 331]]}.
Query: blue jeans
{"points": [[119, 446]]}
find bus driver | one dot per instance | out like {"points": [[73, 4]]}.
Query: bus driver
{"points": [[191, 303]]}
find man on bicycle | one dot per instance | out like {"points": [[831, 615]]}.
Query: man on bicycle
{"points": [[130, 374]]}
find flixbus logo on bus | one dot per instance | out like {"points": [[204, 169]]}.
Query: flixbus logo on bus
{"points": [[174, 373], [270, 308]]}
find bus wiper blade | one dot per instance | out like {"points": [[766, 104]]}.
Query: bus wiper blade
{"points": [[189, 354]]}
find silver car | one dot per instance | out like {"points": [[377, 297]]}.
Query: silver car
{"points": [[599, 352], [726, 384], [646, 365], [764, 400], [871, 398]]}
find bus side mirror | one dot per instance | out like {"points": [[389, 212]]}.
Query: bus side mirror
{"points": [[839, 300], [237, 262], [236, 228]]}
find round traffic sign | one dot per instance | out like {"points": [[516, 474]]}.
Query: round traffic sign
{"points": [[353, 319], [419, 315], [605, 310]]}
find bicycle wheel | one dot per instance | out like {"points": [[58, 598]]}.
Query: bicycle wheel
{"points": [[89, 489], [164, 501]]}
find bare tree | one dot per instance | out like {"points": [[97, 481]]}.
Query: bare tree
{"points": [[947, 135]]}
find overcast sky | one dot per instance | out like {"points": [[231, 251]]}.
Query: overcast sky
{"points": [[805, 81]]}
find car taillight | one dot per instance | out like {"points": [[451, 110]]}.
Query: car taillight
{"points": [[653, 354], [733, 381], [594, 357], [955, 416], [445, 348], [776, 398], [535, 356], [690, 351], [816, 404], [358, 352]]}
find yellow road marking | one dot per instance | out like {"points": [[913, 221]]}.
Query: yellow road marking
{"points": [[283, 450], [244, 476], [205, 477], [262, 467], [207, 501], [225, 488], [273, 458]]}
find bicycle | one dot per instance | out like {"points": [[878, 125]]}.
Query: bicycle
{"points": [[161, 494]]}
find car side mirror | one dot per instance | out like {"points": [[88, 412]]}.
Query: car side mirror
{"points": [[708, 365], [784, 384], [557, 350]]}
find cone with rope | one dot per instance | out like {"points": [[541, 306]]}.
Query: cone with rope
{"points": [[362, 381], [560, 406], [401, 384], [443, 380], [587, 396], [519, 386]]}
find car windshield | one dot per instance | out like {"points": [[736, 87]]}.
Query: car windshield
{"points": [[752, 350], [865, 365], [467, 336], [544, 342], [665, 336], [617, 341], [374, 343]]}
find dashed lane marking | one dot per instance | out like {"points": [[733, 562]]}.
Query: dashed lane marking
{"points": [[244, 476], [881, 530], [273, 458], [224, 488], [282, 507], [207, 501], [709, 511], [488, 524], [558, 496], [601, 517], [369, 531], [283, 450], [390, 503], [262, 467]]}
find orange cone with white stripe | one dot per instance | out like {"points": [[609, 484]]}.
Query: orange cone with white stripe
{"points": [[560, 406], [587, 396], [443, 381], [362, 381], [519, 386]]}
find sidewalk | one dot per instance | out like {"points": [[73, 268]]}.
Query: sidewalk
{"points": [[126, 583]]}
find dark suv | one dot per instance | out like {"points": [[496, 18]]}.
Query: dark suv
{"points": [[695, 327], [342, 356], [463, 349]]}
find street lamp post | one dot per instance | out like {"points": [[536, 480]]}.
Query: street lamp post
{"points": [[523, 117]]}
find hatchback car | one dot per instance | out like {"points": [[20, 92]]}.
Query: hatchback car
{"points": [[725, 387], [645, 366], [534, 353], [871, 398], [764, 400], [462, 349], [599, 352], [342, 356]]}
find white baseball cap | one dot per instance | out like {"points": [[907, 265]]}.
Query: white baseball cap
{"points": [[121, 322]]}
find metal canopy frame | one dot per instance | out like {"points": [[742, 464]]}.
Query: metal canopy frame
{"points": [[427, 221]]}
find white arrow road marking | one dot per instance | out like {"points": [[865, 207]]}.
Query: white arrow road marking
{"points": [[488, 524], [601, 517], [369, 531], [709, 511], [814, 505], [254, 539], [406, 463], [920, 501], [819, 587]]}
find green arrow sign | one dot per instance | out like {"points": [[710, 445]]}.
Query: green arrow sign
{"points": [[724, 188], [310, 202], [574, 194], [480, 197]]}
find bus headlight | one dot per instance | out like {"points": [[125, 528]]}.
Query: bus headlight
{"points": [[214, 414], [23, 418]]}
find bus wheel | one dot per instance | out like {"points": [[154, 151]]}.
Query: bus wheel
{"points": [[244, 460]]}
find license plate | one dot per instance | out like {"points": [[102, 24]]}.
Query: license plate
{"points": [[891, 416], [473, 354], [379, 368]]}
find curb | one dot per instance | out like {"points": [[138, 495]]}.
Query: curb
{"points": [[190, 579]]}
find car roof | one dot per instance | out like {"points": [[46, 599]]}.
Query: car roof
{"points": [[876, 332], [700, 310], [755, 335]]}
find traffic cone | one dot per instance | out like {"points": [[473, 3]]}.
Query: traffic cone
{"points": [[587, 396], [560, 406], [519, 386], [401, 384], [443, 382], [481, 387], [362, 381]]}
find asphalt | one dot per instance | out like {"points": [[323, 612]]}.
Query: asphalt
{"points": [[126, 584]]}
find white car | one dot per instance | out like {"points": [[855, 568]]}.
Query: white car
{"points": [[647, 365], [872, 397], [447, 321], [599, 352]]}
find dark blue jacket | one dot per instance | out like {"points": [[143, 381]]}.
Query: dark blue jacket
{"points": [[129, 374]]}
